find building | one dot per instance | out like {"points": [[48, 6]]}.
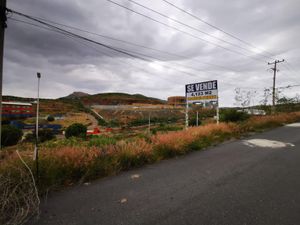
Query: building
{"points": [[176, 101], [11, 110]]}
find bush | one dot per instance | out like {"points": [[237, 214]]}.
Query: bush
{"points": [[165, 128], [100, 141], [76, 130], [50, 118], [113, 123], [11, 135], [102, 122], [44, 135], [232, 115]]}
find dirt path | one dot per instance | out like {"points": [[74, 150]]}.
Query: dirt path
{"points": [[94, 122]]}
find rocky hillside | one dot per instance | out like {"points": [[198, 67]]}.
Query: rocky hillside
{"points": [[118, 99]]}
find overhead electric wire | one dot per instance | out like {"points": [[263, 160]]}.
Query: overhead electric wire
{"points": [[217, 28], [73, 34], [290, 68], [70, 34], [196, 29], [134, 53], [289, 86], [184, 32], [134, 44], [177, 64], [89, 45], [111, 55]]}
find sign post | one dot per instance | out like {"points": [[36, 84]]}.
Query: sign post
{"points": [[186, 112], [203, 92]]}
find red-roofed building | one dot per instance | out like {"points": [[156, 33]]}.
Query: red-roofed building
{"points": [[17, 110]]}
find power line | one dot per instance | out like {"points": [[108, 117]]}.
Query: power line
{"points": [[104, 53], [136, 54], [133, 44], [68, 34], [74, 35], [181, 31], [178, 64], [290, 68], [215, 27], [196, 29], [288, 86]]}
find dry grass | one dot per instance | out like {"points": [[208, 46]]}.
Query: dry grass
{"points": [[195, 138], [71, 118], [258, 123], [65, 165], [19, 199]]}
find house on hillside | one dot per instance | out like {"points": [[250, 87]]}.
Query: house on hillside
{"points": [[11, 110]]}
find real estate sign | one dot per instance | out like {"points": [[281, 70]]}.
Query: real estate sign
{"points": [[202, 92]]}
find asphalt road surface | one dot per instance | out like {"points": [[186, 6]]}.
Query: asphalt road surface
{"points": [[234, 183]]}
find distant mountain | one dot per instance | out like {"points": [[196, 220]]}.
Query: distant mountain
{"points": [[119, 99], [77, 101], [77, 94]]}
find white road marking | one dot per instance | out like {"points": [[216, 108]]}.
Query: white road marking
{"points": [[264, 143], [123, 200], [293, 125], [135, 176]]}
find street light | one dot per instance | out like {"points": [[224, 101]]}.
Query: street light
{"points": [[36, 153]]}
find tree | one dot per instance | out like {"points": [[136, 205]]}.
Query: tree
{"points": [[11, 135], [50, 118], [44, 135], [76, 130], [232, 115], [244, 98], [266, 96]]}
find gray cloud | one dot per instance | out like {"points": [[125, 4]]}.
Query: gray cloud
{"points": [[71, 65]]}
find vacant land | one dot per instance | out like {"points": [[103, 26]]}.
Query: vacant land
{"points": [[69, 161]]}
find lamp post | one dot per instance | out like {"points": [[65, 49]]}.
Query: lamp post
{"points": [[36, 152]]}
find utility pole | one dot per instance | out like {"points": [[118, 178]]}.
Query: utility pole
{"points": [[149, 122], [36, 150], [274, 81], [186, 112], [2, 29]]}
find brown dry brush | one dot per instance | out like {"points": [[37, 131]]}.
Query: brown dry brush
{"points": [[19, 199]]}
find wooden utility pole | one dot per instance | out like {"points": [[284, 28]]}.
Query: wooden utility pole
{"points": [[2, 29], [274, 82]]}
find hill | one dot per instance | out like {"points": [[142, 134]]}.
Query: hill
{"points": [[77, 94], [76, 101], [118, 99], [51, 106]]}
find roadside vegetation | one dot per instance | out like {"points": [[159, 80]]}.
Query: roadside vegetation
{"points": [[79, 159]]}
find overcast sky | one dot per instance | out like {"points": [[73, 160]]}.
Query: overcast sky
{"points": [[67, 65]]}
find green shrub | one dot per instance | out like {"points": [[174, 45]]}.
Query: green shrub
{"points": [[138, 122], [113, 123], [193, 121], [101, 141], [59, 143], [50, 118], [165, 128], [76, 130], [44, 135], [232, 115], [102, 122], [11, 135]]}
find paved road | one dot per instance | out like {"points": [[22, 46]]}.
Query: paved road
{"points": [[231, 184]]}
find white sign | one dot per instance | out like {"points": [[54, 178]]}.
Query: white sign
{"points": [[202, 92]]}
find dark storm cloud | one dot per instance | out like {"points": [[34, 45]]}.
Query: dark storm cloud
{"points": [[71, 65]]}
